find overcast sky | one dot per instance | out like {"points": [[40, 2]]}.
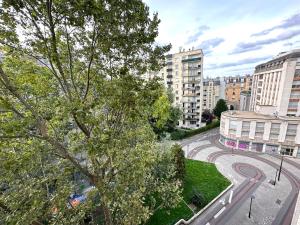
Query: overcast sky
{"points": [[235, 35]]}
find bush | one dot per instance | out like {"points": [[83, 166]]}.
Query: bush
{"points": [[198, 199], [180, 134], [178, 155]]}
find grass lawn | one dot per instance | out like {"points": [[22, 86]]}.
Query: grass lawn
{"points": [[202, 176]]}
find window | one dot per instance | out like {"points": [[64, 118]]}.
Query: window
{"points": [[287, 151], [259, 130], [274, 132], [245, 128], [297, 72], [232, 127], [293, 105], [291, 132]]}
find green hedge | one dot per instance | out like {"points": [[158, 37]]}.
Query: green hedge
{"points": [[180, 134]]}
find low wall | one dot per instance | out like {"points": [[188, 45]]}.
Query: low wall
{"points": [[183, 221]]}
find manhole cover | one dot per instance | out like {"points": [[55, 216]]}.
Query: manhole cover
{"points": [[278, 201]]}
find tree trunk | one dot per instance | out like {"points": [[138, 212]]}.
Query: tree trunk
{"points": [[107, 215]]}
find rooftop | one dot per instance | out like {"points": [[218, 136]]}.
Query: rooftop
{"points": [[254, 115]]}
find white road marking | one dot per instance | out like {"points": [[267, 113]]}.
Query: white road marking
{"points": [[220, 212], [230, 197], [207, 223]]}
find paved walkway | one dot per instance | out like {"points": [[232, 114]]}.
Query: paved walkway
{"points": [[251, 174]]}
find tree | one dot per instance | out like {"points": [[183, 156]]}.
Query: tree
{"points": [[220, 107], [168, 114], [179, 159], [73, 102], [207, 116], [175, 113]]}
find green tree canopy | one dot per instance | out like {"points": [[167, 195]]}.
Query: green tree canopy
{"points": [[220, 107], [72, 104]]}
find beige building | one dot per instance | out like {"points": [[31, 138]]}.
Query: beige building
{"points": [[234, 87], [273, 125], [183, 74], [211, 93]]}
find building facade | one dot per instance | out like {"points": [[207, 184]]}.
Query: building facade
{"points": [[211, 93], [276, 85], [261, 133], [234, 87], [183, 74], [273, 124], [245, 98]]}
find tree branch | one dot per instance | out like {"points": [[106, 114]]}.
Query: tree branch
{"points": [[54, 46], [90, 62]]}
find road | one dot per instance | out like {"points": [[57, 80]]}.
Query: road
{"points": [[251, 174]]}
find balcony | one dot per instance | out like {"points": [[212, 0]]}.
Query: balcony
{"points": [[191, 60], [292, 109], [189, 95]]}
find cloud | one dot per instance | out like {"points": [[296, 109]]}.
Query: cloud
{"points": [[196, 35], [290, 43], [209, 44], [250, 46], [290, 22], [238, 63]]}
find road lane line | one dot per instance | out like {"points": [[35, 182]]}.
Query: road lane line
{"points": [[220, 212]]}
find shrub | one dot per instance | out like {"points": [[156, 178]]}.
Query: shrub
{"points": [[180, 134], [198, 199]]}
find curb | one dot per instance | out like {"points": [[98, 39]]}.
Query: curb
{"points": [[183, 221]]}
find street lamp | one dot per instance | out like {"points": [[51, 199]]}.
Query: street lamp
{"points": [[275, 177], [251, 198], [280, 168]]}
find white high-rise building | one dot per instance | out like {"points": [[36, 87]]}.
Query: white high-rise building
{"points": [[211, 93], [276, 85], [183, 74]]}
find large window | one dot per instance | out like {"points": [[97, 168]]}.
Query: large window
{"points": [[287, 150], [243, 145], [272, 149], [274, 132], [245, 128], [259, 130], [257, 147], [291, 132]]}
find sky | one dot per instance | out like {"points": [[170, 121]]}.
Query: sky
{"points": [[235, 35]]}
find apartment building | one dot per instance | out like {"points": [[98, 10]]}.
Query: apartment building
{"points": [[183, 74], [273, 124], [276, 85], [211, 93], [245, 98], [234, 87]]}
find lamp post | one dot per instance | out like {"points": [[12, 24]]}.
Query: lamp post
{"points": [[280, 168], [251, 198], [275, 177]]}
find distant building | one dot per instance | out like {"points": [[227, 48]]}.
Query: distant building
{"points": [[245, 98], [183, 74], [273, 124], [234, 87], [211, 93]]}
